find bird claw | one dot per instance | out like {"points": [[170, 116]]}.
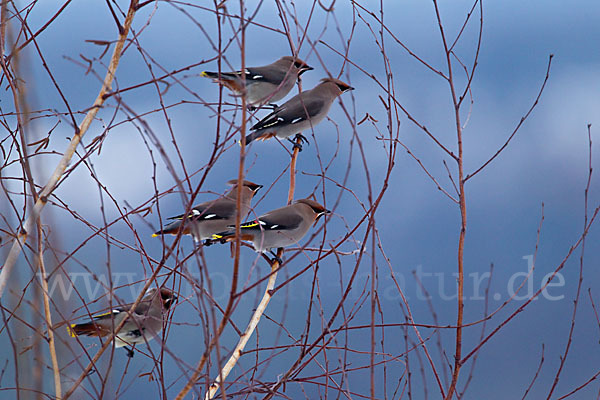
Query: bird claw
{"points": [[276, 258], [129, 351], [302, 138], [295, 144]]}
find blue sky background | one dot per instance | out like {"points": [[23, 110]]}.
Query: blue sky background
{"points": [[418, 226]]}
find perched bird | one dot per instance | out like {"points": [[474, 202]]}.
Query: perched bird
{"points": [[299, 113], [266, 84], [278, 228], [145, 322], [214, 216]]}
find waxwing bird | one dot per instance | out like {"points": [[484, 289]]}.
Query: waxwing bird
{"points": [[266, 84], [214, 216], [144, 323], [278, 228], [299, 113]]}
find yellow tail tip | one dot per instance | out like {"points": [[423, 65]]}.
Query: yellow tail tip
{"points": [[155, 235], [71, 330], [204, 74]]}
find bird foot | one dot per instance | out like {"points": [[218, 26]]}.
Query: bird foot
{"points": [[129, 351], [276, 259], [297, 141], [302, 138], [295, 145]]}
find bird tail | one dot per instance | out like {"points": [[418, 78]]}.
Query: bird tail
{"points": [[87, 328], [228, 236], [207, 74], [215, 75], [222, 235], [170, 229], [260, 134]]}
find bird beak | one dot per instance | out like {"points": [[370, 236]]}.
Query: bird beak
{"points": [[169, 302], [320, 215], [304, 69]]}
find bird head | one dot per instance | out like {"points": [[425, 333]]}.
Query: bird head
{"points": [[341, 86], [300, 65], [167, 297], [253, 187], [317, 208]]}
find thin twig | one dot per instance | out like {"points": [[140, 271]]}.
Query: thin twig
{"points": [[262, 306], [21, 238], [521, 121], [565, 354], [47, 313]]}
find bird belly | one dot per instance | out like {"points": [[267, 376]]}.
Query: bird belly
{"points": [[299, 127], [129, 339], [272, 239], [143, 331], [270, 93], [257, 95], [202, 230]]}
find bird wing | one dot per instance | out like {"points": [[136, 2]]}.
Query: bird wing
{"points": [[274, 221], [107, 314], [254, 74], [265, 74], [141, 308], [299, 108], [211, 210]]}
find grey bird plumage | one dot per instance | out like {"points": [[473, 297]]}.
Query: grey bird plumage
{"points": [[266, 84], [282, 227], [214, 216], [142, 325], [303, 111]]}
